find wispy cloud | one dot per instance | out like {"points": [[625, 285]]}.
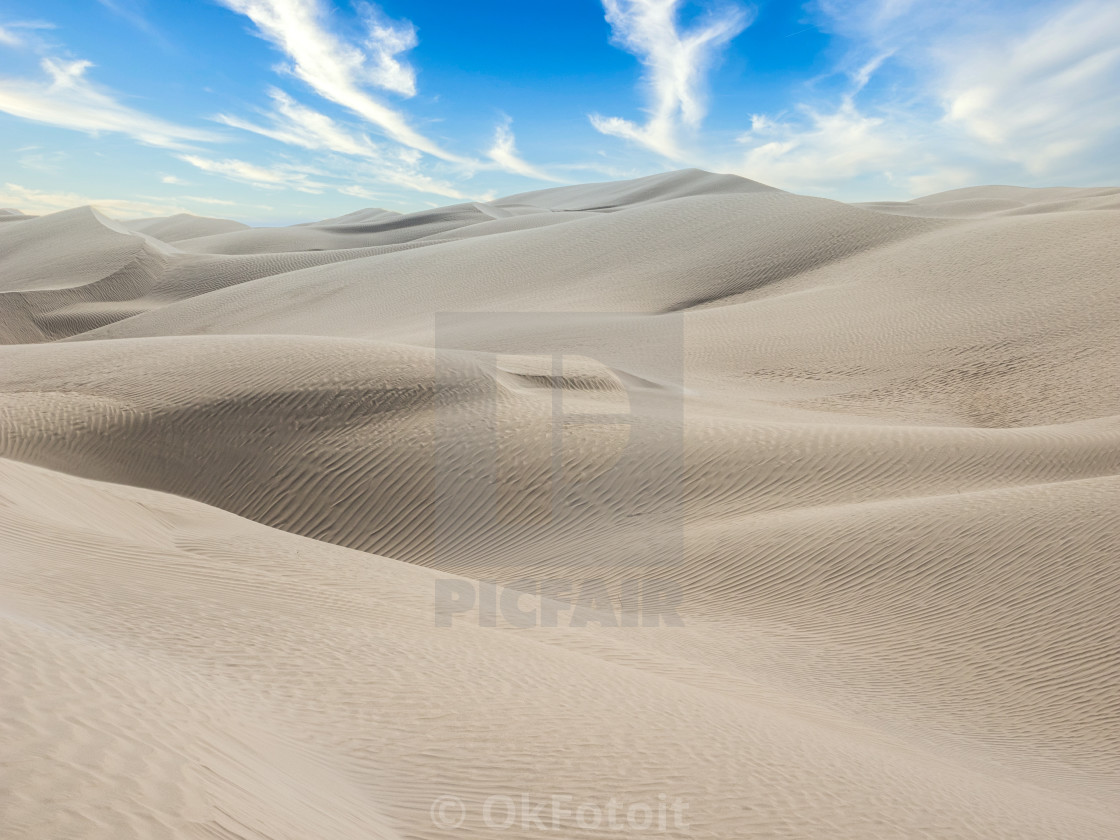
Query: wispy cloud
{"points": [[919, 97], [339, 70], [16, 33], [280, 177], [66, 98], [504, 153], [132, 11], [676, 62], [823, 151], [343, 70], [295, 124], [1000, 83], [40, 202], [409, 178], [934, 95], [360, 192], [1041, 96]]}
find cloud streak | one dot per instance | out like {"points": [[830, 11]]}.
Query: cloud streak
{"points": [[504, 153], [15, 33], [295, 124], [283, 177], [67, 99], [339, 70]]}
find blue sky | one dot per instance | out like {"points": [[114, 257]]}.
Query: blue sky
{"points": [[287, 110]]}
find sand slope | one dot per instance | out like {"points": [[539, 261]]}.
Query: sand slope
{"points": [[174, 671], [890, 513]]}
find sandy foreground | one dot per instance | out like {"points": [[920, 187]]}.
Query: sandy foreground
{"points": [[679, 507]]}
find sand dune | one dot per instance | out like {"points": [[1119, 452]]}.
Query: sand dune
{"points": [[625, 261], [873, 450], [976, 202], [8, 214], [187, 673], [183, 226]]}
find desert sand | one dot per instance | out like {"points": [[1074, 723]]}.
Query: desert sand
{"points": [[870, 451]]}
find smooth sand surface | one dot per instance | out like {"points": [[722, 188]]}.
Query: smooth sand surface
{"points": [[875, 448]]}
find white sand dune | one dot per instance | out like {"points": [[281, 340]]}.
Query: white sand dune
{"points": [[235, 462], [174, 671], [183, 226], [975, 202], [9, 214], [631, 261]]}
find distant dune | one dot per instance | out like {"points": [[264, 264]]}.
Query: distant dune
{"points": [[879, 445], [184, 226]]}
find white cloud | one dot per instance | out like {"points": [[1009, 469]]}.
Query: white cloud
{"points": [[1035, 85], [865, 71], [936, 95], [829, 150], [359, 192], [1043, 96], [906, 26], [986, 91], [14, 33], [339, 70], [282, 177], [172, 179], [326, 175], [38, 202], [298, 125], [410, 179], [66, 98], [295, 124], [676, 63], [386, 41], [504, 153]]}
